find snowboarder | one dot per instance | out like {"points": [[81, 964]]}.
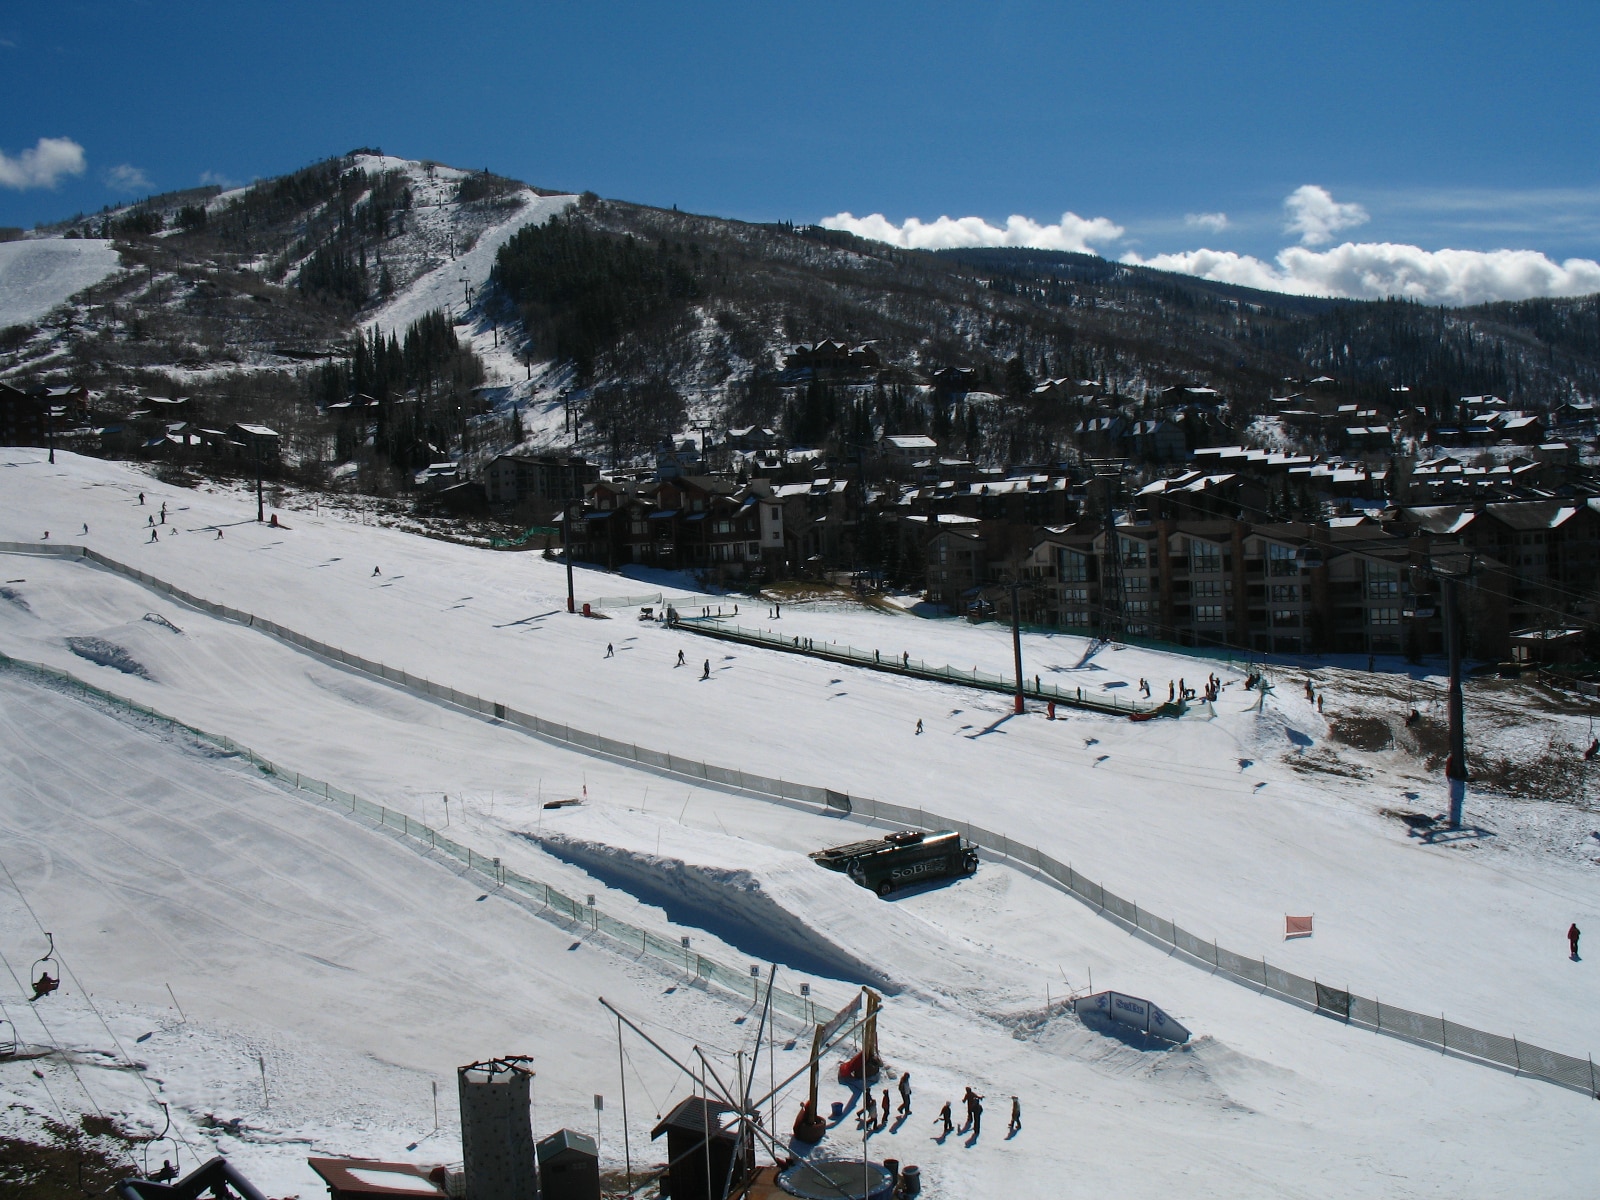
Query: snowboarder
{"points": [[274, 521], [1016, 1117], [680, 658], [610, 650], [219, 534], [1573, 933], [905, 1094], [944, 1119], [919, 725], [376, 572], [46, 535], [705, 671], [86, 528]]}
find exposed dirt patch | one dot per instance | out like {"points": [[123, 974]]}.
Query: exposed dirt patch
{"points": [[66, 1163], [1362, 733]]}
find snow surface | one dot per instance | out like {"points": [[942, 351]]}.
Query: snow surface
{"points": [[1218, 823], [37, 274]]}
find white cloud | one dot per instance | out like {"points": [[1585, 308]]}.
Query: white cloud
{"points": [[1072, 232], [126, 178], [1378, 270], [1215, 222], [1316, 216], [43, 166], [218, 178]]}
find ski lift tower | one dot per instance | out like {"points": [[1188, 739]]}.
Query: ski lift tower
{"points": [[1452, 571], [1108, 482]]}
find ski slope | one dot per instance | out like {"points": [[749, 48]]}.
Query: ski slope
{"points": [[37, 274], [1204, 820]]}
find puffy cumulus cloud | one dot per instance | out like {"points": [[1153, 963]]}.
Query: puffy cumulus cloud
{"points": [[1378, 270], [1072, 232], [126, 178], [43, 166], [1215, 222], [1316, 216]]}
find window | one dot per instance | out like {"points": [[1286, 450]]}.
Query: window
{"points": [[1204, 557], [724, 527], [1285, 616], [639, 527], [1133, 553], [753, 550], [1075, 616], [1206, 589], [1383, 581], [1282, 560], [1136, 583], [1073, 567], [1080, 594], [1208, 614], [1137, 607], [1383, 616], [777, 514], [1285, 591]]}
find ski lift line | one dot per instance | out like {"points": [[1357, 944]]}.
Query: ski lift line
{"points": [[56, 1046], [89, 1000], [55, 1101]]}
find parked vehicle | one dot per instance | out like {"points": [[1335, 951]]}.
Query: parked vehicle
{"points": [[901, 859]]}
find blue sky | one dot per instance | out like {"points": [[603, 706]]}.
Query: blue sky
{"points": [[1443, 126]]}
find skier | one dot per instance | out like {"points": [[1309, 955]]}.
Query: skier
{"points": [[219, 534], [86, 528], [705, 671], [919, 725], [610, 651], [150, 521], [680, 658], [905, 1094], [154, 535], [141, 497], [1016, 1117], [1573, 933], [944, 1119], [376, 572]]}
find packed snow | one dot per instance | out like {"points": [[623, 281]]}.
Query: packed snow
{"points": [[156, 862], [37, 274]]}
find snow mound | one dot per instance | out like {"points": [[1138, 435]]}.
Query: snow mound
{"points": [[107, 654], [774, 904], [36, 274]]}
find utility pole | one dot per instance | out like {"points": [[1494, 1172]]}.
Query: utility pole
{"points": [[1016, 637], [261, 508], [566, 551], [1455, 767]]}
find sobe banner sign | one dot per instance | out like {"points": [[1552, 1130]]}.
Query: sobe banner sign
{"points": [[1131, 1010]]}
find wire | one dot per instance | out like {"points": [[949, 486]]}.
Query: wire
{"points": [[66, 968]]}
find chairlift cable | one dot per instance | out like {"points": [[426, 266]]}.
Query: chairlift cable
{"points": [[89, 1000]]}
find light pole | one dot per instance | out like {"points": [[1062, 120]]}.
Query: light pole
{"points": [[1016, 638], [1455, 767], [261, 509], [566, 551]]}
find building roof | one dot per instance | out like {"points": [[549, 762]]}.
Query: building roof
{"points": [[691, 1115], [371, 1177]]}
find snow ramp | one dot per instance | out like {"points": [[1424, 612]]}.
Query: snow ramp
{"points": [[773, 904]]}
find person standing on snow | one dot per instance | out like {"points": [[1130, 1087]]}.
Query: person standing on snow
{"points": [[610, 650], [883, 1113], [705, 671], [919, 725], [974, 1103], [944, 1119], [1016, 1117], [905, 1094], [680, 658], [1573, 933]]}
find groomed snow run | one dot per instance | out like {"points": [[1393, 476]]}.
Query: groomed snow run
{"points": [[37, 274]]}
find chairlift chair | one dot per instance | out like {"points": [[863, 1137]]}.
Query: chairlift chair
{"points": [[8, 1038], [169, 1166], [46, 982]]}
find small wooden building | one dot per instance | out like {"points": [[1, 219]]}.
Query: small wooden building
{"points": [[699, 1171]]}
